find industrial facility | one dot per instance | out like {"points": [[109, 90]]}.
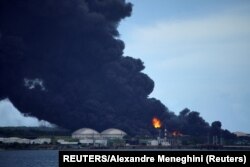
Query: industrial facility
{"points": [[91, 137], [84, 137]]}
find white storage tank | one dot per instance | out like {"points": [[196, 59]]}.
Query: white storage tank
{"points": [[113, 133], [85, 133]]}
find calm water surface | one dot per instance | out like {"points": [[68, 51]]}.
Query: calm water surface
{"points": [[29, 158]]}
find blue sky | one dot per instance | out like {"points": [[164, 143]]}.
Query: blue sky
{"points": [[198, 54]]}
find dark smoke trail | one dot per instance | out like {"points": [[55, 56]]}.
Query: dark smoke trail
{"points": [[62, 61]]}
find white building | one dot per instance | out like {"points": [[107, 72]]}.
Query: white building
{"points": [[1, 139], [63, 142], [94, 142], [86, 142], [153, 142], [11, 140], [241, 134], [158, 142]]}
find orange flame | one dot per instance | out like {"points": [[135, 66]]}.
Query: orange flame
{"points": [[176, 133], [156, 122]]}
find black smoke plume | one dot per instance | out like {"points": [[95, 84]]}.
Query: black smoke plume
{"points": [[62, 61]]}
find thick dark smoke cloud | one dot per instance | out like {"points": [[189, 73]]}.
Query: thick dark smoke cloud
{"points": [[62, 61]]}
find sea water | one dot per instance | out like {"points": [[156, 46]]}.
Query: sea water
{"points": [[29, 158]]}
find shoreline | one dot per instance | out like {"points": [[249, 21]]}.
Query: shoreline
{"points": [[228, 148]]}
